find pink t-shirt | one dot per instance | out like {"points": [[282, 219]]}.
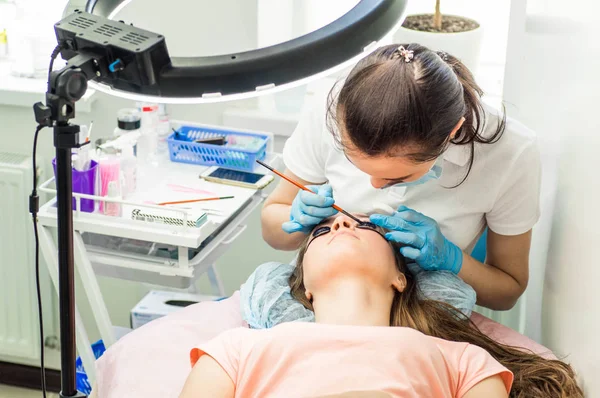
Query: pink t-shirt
{"points": [[306, 359]]}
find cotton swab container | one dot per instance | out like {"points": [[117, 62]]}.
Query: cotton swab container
{"points": [[110, 171]]}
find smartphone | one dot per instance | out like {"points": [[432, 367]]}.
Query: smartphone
{"points": [[237, 178], [212, 140]]}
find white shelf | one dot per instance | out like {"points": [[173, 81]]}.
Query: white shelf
{"points": [[167, 173]]}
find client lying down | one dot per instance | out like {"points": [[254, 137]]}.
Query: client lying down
{"points": [[358, 286]]}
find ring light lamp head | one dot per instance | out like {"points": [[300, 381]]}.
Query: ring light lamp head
{"points": [[136, 64]]}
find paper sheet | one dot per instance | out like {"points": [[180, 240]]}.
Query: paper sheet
{"points": [[177, 182]]}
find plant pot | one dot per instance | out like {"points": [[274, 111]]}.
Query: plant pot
{"points": [[463, 45]]}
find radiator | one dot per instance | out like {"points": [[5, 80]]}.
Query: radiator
{"points": [[18, 308]]}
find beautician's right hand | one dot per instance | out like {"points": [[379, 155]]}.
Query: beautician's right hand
{"points": [[309, 209]]}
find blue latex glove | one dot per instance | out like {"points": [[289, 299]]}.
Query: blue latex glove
{"points": [[424, 241], [309, 209]]}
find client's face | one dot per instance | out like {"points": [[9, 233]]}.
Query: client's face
{"points": [[340, 247]]}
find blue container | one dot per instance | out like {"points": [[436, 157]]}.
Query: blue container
{"points": [[82, 382], [240, 153]]}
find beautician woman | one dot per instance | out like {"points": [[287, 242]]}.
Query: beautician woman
{"points": [[407, 129]]}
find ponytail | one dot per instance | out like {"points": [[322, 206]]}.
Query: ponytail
{"points": [[470, 132]]}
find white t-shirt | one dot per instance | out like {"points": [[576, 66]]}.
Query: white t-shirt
{"points": [[501, 192]]}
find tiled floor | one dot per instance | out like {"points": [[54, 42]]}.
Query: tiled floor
{"points": [[15, 392]]}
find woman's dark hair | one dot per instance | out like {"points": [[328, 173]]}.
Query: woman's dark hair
{"points": [[534, 376], [387, 103]]}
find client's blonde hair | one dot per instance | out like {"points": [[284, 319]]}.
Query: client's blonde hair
{"points": [[534, 376]]}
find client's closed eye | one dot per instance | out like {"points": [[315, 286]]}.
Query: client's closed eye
{"points": [[321, 231], [367, 225], [371, 227]]}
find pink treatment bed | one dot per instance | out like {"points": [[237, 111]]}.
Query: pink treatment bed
{"points": [[153, 361]]}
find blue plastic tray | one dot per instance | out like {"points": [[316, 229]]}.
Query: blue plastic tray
{"points": [[240, 153]]}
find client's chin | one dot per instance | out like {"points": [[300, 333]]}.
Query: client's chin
{"points": [[345, 263]]}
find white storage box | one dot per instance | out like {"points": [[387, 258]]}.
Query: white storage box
{"points": [[158, 303]]}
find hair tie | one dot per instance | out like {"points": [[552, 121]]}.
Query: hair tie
{"points": [[443, 55], [408, 55]]}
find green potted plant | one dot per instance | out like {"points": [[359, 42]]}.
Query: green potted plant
{"points": [[457, 35]]}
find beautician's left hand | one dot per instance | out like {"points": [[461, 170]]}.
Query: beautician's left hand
{"points": [[424, 241]]}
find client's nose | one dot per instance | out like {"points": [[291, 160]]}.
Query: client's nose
{"points": [[342, 221]]}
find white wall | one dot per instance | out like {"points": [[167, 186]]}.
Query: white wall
{"points": [[551, 84], [491, 15], [197, 27]]}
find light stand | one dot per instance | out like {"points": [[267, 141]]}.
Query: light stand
{"points": [[65, 87], [135, 64]]}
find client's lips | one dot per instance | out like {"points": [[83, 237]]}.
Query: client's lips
{"points": [[349, 233]]}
